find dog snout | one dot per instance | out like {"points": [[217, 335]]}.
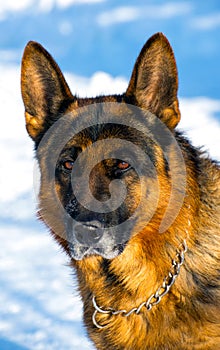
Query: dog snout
{"points": [[89, 232]]}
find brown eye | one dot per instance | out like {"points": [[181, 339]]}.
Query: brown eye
{"points": [[68, 164], [123, 165]]}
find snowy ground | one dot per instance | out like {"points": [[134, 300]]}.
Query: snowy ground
{"points": [[40, 308]]}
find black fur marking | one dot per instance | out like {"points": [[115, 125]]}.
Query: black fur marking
{"points": [[205, 291], [110, 277]]}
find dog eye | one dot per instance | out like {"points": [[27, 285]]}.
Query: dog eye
{"points": [[122, 166], [68, 165]]}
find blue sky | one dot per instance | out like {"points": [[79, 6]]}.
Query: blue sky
{"points": [[96, 43], [107, 35]]}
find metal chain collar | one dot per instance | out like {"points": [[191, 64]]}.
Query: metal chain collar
{"points": [[155, 298]]}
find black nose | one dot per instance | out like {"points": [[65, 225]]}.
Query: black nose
{"points": [[89, 232]]}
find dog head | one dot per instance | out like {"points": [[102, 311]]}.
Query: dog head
{"points": [[103, 161]]}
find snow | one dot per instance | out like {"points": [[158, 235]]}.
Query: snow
{"points": [[40, 306], [199, 123]]}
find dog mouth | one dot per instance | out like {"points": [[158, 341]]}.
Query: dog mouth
{"points": [[79, 251], [91, 239], [89, 233]]}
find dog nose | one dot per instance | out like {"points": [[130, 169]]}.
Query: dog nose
{"points": [[88, 233]]}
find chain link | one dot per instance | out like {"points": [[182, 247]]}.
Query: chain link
{"points": [[155, 298]]}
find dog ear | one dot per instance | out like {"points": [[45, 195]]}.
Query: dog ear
{"points": [[44, 90], [154, 82]]}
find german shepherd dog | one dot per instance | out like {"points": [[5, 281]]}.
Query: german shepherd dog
{"points": [[131, 201]]}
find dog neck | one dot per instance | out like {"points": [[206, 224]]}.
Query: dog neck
{"points": [[101, 281], [154, 299]]}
